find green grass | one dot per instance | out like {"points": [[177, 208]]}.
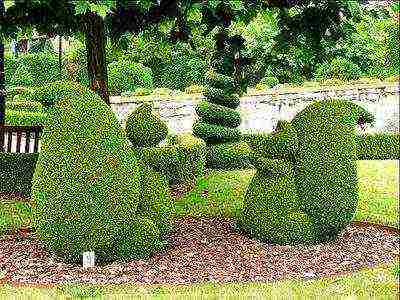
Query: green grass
{"points": [[377, 283], [378, 190]]}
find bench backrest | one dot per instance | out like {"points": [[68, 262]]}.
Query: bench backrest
{"points": [[20, 139]]}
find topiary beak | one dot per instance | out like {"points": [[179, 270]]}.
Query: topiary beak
{"points": [[364, 117]]}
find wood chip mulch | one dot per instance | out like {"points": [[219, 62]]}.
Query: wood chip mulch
{"points": [[204, 250]]}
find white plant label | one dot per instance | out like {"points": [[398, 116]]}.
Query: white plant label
{"points": [[88, 260]]}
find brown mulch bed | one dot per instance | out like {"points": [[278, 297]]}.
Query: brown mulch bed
{"points": [[206, 250]]}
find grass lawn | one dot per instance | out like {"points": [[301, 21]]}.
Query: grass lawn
{"points": [[377, 283], [378, 190]]}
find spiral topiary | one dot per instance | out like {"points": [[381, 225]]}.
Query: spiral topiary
{"points": [[218, 119]]}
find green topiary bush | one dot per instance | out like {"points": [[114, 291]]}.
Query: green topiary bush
{"points": [[317, 171], [138, 241], [86, 185], [50, 93], [378, 146], [229, 156], [326, 175], [214, 134], [155, 201], [217, 114], [181, 161], [36, 70], [25, 118], [145, 129], [271, 210], [126, 76], [218, 119], [26, 106]]}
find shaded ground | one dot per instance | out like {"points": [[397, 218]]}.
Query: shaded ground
{"points": [[203, 250]]}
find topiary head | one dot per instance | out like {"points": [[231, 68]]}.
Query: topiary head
{"points": [[145, 129]]}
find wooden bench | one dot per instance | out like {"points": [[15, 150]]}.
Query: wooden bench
{"points": [[14, 135]]}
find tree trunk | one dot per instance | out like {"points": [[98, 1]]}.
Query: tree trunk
{"points": [[2, 77], [95, 47], [60, 57]]}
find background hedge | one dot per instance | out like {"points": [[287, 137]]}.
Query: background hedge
{"points": [[16, 171]]}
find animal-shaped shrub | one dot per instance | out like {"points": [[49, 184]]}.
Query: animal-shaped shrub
{"points": [[309, 194], [87, 188]]}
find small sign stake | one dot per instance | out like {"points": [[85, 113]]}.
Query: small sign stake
{"points": [[88, 260]]}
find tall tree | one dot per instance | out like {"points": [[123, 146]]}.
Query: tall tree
{"points": [[2, 77]]}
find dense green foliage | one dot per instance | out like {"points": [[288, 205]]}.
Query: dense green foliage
{"points": [[86, 185], [314, 176], [326, 134], [155, 201], [144, 129], [338, 68], [36, 70], [378, 146], [16, 171], [229, 156], [126, 76], [181, 161]]}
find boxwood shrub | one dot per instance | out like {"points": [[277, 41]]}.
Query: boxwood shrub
{"points": [[126, 76], [144, 129], [16, 171], [25, 118], [229, 156], [182, 160], [379, 146], [86, 186]]}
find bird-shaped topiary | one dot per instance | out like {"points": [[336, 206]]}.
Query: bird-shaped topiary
{"points": [[309, 194], [144, 129], [89, 188]]}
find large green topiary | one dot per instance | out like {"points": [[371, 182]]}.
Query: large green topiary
{"points": [[145, 129], [86, 187], [326, 173], [309, 194]]}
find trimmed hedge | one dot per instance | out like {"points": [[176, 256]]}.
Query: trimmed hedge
{"points": [[18, 90], [25, 118], [217, 114], [378, 146], [10, 66], [182, 161], [219, 97], [124, 76], [229, 156], [16, 172], [24, 106]]}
